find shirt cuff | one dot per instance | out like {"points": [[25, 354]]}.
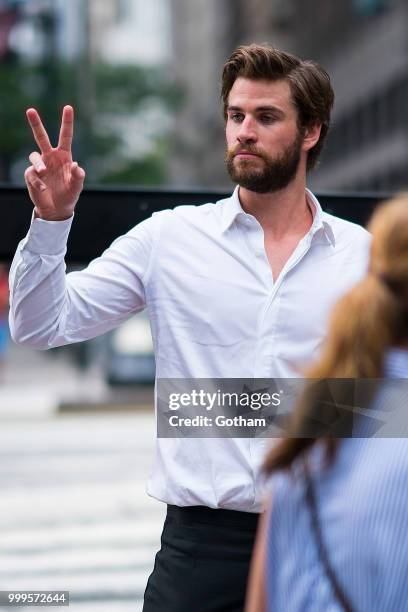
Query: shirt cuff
{"points": [[48, 237]]}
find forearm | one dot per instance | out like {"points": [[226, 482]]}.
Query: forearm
{"points": [[38, 289], [49, 308]]}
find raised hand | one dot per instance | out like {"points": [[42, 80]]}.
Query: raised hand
{"points": [[54, 181]]}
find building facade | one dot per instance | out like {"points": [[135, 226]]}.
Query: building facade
{"points": [[204, 34], [361, 43]]}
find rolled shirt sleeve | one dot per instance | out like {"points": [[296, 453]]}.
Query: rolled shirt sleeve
{"points": [[49, 308]]}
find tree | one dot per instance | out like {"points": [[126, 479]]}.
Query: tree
{"points": [[119, 95]]}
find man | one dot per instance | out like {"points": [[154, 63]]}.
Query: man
{"points": [[240, 288]]}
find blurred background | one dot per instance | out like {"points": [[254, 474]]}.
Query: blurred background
{"points": [[77, 423], [145, 77]]}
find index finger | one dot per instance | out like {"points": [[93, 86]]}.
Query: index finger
{"points": [[40, 134], [67, 129]]}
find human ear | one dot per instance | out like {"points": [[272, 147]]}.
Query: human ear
{"points": [[311, 136]]}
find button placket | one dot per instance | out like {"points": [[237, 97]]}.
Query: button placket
{"points": [[301, 250], [258, 240], [250, 233]]}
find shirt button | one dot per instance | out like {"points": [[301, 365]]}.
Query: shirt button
{"points": [[258, 253]]}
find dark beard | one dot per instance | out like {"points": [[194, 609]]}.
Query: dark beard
{"points": [[274, 175]]}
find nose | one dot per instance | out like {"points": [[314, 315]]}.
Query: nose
{"points": [[247, 133]]}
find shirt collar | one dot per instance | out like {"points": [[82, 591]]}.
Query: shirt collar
{"points": [[320, 229], [231, 208]]}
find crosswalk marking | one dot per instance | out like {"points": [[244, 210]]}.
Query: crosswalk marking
{"points": [[74, 514]]}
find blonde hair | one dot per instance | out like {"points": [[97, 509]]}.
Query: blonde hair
{"points": [[370, 319]]}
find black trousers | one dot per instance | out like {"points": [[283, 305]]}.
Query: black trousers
{"points": [[203, 562]]}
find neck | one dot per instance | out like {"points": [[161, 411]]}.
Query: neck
{"points": [[280, 213]]}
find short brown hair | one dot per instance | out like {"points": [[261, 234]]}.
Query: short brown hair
{"points": [[312, 93]]}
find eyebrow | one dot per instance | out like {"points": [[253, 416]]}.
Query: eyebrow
{"points": [[258, 109]]}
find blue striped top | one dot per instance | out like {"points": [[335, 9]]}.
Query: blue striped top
{"points": [[363, 514]]}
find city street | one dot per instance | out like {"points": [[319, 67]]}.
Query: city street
{"points": [[74, 514]]}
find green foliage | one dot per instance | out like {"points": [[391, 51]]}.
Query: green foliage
{"points": [[148, 171], [14, 100], [126, 87], [102, 95]]}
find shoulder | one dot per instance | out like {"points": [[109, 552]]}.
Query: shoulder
{"points": [[351, 245], [196, 213], [347, 232], [178, 217], [169, 217]]}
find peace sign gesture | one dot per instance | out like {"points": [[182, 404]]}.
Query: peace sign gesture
{"points": [[54, 181]]}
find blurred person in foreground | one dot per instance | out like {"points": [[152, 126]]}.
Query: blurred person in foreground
{"points": [[237, 289], [336, 535]]}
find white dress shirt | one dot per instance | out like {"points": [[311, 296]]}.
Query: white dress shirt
{"points": [[214, 309]]}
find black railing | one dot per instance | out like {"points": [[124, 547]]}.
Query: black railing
{"points": [[105, 213]]}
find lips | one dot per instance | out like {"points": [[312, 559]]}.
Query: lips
{"points": [[246, 154]]}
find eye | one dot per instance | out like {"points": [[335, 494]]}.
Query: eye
{"points": [[236, 117], [267, 118]]}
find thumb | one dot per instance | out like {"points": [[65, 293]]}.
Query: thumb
{"points": [[77, 175]]}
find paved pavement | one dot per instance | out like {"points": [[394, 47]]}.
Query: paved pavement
{"points": [[74, 514]]}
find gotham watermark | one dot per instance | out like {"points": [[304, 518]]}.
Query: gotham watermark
{"points": [[263, 408]]}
